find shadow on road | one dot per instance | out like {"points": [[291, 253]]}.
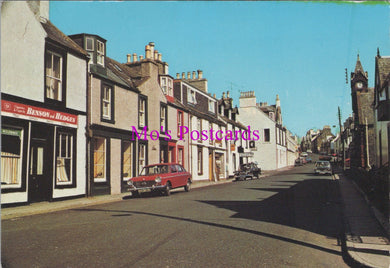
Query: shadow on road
{"points": [[312, 205]]}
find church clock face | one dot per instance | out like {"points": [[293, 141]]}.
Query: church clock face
{"points": [[359, 84]]}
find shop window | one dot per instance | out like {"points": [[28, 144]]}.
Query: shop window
{"points": [[127, 160], [180, 157], [11, 157], [99, 159], [53, 82], [64, 159]]}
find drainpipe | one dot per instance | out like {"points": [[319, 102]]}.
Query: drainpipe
{"points": [[368, 155]]}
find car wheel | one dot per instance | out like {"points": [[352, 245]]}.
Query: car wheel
{"points": [[167, 190], [187, 187]]}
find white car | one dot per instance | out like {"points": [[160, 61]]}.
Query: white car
{"points": [[323, 167]]}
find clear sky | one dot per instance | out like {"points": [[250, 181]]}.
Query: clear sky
{"points": [[298, 50]]}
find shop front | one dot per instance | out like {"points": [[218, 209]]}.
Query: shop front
{"points": [[40, 148]]}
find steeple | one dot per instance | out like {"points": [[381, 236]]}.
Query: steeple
{"points": [[358, 67]]}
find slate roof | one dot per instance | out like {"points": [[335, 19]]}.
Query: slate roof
{"points": [[56, 35], [116, 71], [383, 65]]}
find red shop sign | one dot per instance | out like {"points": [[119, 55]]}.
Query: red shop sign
{"points": [[41, 113]]}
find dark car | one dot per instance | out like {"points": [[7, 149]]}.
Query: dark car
{"points": [[247, 171], [309, 160], [160, 177], [298, 162]]}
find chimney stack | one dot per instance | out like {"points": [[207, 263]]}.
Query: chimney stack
{"points": [[177, 75], [134, 57], [200, 74], [193, 75], [128, 58], [147, 52]]}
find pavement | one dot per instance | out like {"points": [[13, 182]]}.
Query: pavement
{"points": [[366, 232]]}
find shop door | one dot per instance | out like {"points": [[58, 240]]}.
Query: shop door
{"points": [[38, 182]]}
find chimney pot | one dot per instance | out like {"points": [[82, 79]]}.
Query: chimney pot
{"points": [[134, 57], [200, 74], [183, 75], [228, 94], [155, 55], [193, 75], [177, 75], [128, 58], [147, 52], [151, 44], [188, 75], [141, 58], [215, 96], [159, 56], [223, 94]]}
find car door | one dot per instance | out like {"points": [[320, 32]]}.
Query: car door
{"points": [[182, 175]]}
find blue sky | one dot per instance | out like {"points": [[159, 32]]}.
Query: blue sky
{"points": [[298, 50]]}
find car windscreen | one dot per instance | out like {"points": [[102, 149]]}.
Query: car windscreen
{"points": [[152, 170], [322, 164]]}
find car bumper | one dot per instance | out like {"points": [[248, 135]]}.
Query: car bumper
{"points": [[323, 172], [146, 189]]}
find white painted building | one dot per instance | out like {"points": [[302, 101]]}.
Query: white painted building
{"points": [[270, 151], [44, 86]]}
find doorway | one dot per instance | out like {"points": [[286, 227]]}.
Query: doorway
{"points": [[38, 182]]}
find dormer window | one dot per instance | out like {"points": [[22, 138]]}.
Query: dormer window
{"points": [[89, 44], [167, 85], [191, 96], [100, 52], [211, 106]]}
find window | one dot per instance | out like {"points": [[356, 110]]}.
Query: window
{"points": [[164, 86], [141, 157], [200, 161], [170, 87], [53, 76], [211, 131], [89, 44], [11, 157], [99, 159], [142, 121], [199, 127], [267, 137], [211, 106], [100, 52], [127, 160], [64, 158], [163, 118], [180, 121], [191, 96], [107, 103], [180, 157]]}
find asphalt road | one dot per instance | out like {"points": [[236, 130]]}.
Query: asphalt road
{"points": [[292, 219]]}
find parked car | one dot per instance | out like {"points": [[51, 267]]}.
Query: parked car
{"points": [[309, 160], [160, 177], [323, 167], [304, 154], [298, 162], [247, 171], [303, 160]]}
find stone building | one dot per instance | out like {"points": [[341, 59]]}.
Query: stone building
{"points": [[362, 148]]}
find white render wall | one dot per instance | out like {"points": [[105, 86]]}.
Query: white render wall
{"points": [[265, 153], [22, 57], [76, 83]]}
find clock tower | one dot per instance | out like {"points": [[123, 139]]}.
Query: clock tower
{"points": [[359, 84]]}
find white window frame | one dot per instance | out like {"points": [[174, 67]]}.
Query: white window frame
{"points": [[100, 52], [50, 77], [164, 85], [191, 96], [141, 160], [68, 156], [163, 113], [86, 44], [142, 112], [211, 106], [4, 158], [106, 102]]}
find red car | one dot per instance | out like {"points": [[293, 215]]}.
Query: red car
{"points": [[160, 177]]}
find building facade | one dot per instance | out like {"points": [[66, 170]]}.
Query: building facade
{"points": [[44, 114]]}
